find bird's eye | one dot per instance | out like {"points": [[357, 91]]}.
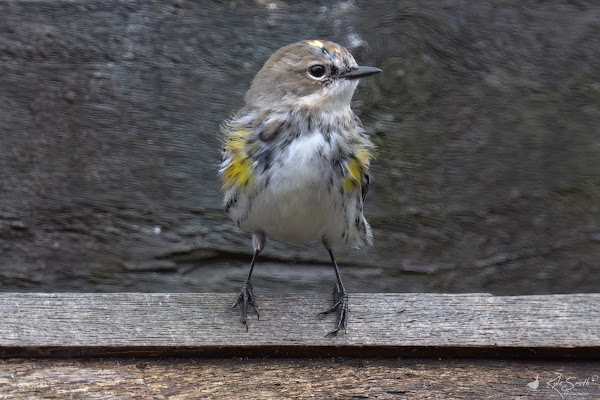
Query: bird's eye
{"points": [[316, 71]]}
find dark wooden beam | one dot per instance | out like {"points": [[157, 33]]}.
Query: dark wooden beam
{"points": [[323, 378]]}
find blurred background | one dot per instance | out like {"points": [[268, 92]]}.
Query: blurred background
{"points": [[486, 118]]}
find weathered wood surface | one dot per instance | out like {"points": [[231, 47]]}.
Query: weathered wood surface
{"points": [[380, 324], [486, 118], [241, 378]]}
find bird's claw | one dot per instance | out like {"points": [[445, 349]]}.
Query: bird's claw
{"points": [[340, 299], [246, 297]]}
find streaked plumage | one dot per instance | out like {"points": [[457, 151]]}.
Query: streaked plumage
{"points": [[295, 159]]}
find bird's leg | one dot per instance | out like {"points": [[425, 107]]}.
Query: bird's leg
{"points": [[246, 297], [340, 299]]}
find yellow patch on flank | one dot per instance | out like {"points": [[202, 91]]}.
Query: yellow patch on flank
{"points": [[364, 157], [357, 166], [238, 172], [316, 43]]}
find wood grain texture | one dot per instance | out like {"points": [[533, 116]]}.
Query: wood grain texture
{"points": [[486, 120], [380, 324], [239, 378]]}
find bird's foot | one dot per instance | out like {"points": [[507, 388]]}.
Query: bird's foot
{"points": [[340, 300], [246, 297]]}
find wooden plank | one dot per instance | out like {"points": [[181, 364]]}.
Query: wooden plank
{"points": [[189, 378], [380, 324], [109, 144]]}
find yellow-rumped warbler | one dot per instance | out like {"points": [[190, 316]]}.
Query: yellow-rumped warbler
{"points": [[295, 158]]}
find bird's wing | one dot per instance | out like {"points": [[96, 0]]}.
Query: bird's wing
{"points": [[365, 183]]}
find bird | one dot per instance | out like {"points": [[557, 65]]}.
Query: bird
{"points": [[535, 383], [295, 159]]}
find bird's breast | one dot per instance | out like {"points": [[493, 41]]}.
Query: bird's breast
{"points": [[300, 198]]}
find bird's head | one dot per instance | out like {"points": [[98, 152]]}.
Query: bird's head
{"points": [[312, 75]]}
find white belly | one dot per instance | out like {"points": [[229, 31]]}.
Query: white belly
{"points": [[298, 205]]}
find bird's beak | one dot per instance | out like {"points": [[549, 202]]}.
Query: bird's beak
{"points": [[359, 72]]}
